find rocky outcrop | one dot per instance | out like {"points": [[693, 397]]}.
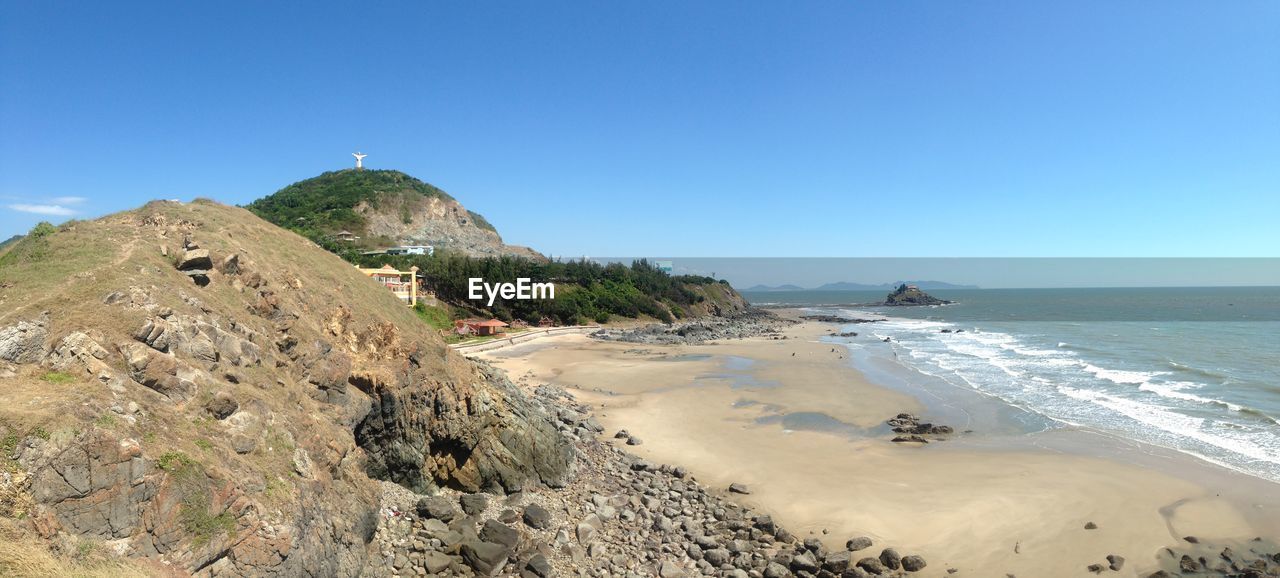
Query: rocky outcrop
{"points": [[910, 295], [23, 342], [749, 323], [466, 437]]}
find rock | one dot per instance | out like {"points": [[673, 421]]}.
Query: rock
{"points": [[670, 569], [585, 533], [717, 557], [859, 543], [1188, 564], [230, 264], [872, 565], [195, 259], [913, 563], [837, 562], [622, 434], [890, 558], [439, 508], [1096, 568], [906, 295], [437, 562], [1090, 526], [540, 567], [737, 488], [473, 504], [634, 441], [302, 464], [222, 405], [1191, 539], [537, 517], [805, 562], [23, 342], [486, 558], [765, 523], [1115, 562], [776, 570], [499, 533]]}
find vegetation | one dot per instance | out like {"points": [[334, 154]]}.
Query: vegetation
{"points": [[58, 377], [585, 290], [319, 207], [192, 485]]}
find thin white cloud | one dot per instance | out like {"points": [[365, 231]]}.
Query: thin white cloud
{"points": [[67, 200], [57, 210]]}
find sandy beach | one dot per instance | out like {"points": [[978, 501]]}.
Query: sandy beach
{"points": [[803, 429]]}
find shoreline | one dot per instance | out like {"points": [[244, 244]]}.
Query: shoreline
{"points": [[702, 407]]}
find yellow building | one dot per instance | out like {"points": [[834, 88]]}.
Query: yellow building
{"points": [[403, 283]]}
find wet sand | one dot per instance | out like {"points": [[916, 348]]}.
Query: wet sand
{"points": [[803, 429]]}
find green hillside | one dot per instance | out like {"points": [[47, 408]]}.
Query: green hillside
{"points": [[321, 206]]}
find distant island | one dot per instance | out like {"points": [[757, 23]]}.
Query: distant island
{"points": [[907, 295], [847, 286]]}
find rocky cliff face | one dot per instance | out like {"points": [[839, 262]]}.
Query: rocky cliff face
{"points": [[444, 223], [191, 384]]}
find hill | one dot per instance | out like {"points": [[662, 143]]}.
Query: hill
{"points": [[196, 386], [382, 208]]}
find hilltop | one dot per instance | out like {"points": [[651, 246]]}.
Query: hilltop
{"points": [[382, 208], [192, 384]]}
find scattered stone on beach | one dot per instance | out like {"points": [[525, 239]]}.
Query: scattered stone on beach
{"points": [[739, 488], [858, 543], [1090, 526], [537, 517], [751, 322], [890, 558], [1191, 539], [1115, 562], [910, 439], [1095, 568], [622, 434], [634, 441], [1188, 564], [913, 563]]}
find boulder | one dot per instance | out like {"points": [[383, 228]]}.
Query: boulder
{"points": [[890, 558], [23, 342], [858, 543], [540, 567], [537, 517], [737, 488], [804, 562], [913, 563], [473, 504], [486, 558], [872, 565], [222, 406], [499, 533], [439, 508], [193, 259], [1115, 562]]}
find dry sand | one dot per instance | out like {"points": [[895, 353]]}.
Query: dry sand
{"points": [[983, 512]]}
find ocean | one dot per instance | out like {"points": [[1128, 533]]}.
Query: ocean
{"points": [[1196, 370]]}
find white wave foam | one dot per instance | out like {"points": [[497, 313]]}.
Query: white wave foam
{"points": [[1120, 376], [1177, 390]]}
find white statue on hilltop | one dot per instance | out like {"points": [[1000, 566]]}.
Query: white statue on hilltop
{"points": [[359, 159]]}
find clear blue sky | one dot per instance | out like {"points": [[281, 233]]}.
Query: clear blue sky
{"points": [[676, 128]]}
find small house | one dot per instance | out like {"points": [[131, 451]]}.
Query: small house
{"points": [[402, 283], [345, 236], [481, 327]]}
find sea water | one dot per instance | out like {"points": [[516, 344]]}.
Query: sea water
{"points": [[1191, 369]]}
